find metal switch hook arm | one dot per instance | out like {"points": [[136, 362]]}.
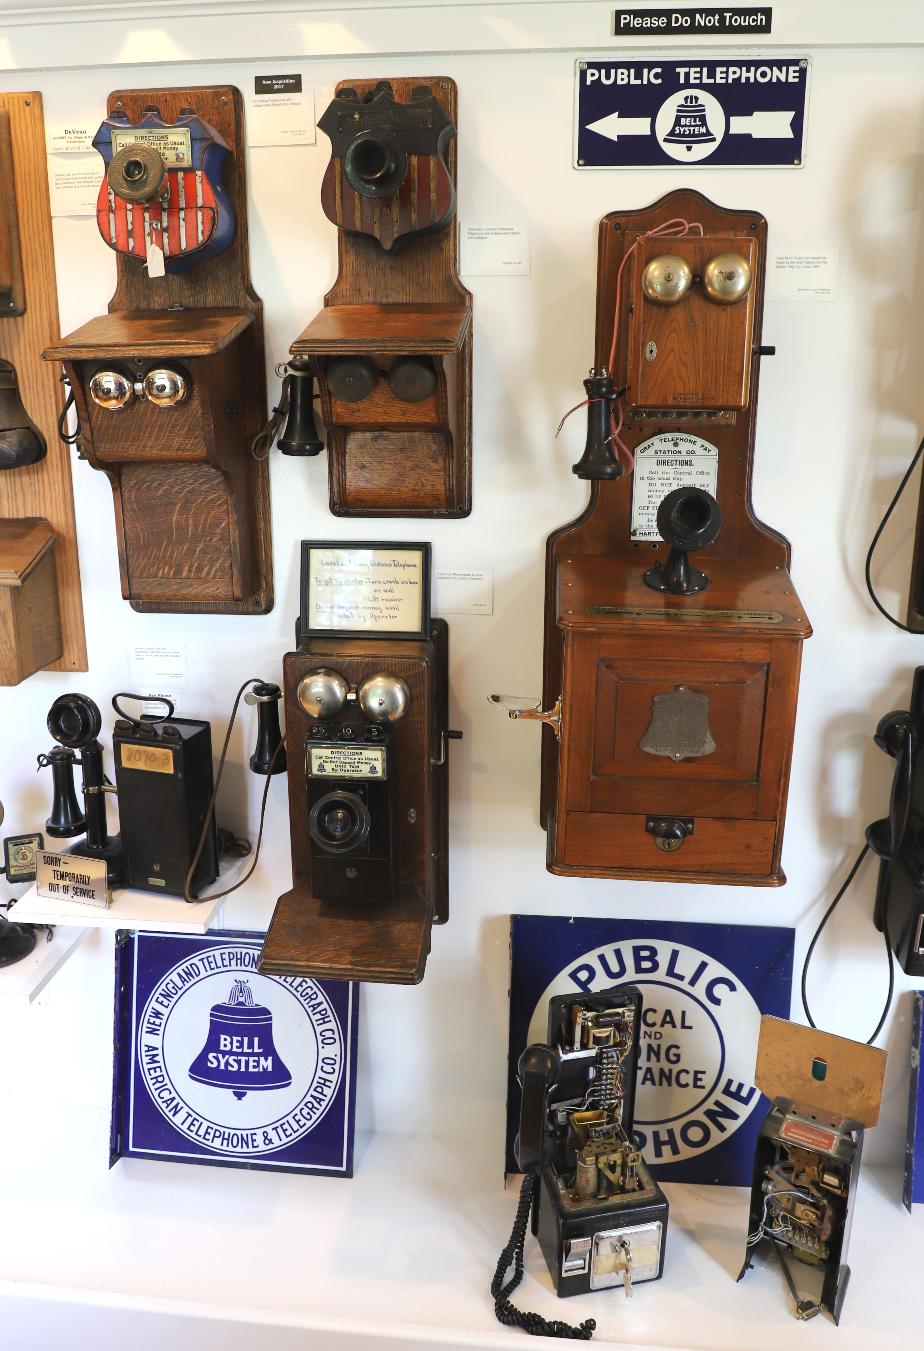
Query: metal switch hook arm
{"points": [[529, 709]]}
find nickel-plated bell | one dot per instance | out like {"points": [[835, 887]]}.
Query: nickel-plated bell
{"points": [[323, 692], [667, 279], [111, 390], [383, 697], [690, 125], [727, 278], [21, 442], [300, 434], [239, 1053], [165, 388]]}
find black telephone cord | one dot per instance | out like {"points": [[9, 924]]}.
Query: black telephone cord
{"points": [[817, 934], [872, 548], [507, 1313]]}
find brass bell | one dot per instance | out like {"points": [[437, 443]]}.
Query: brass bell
{"points": [[727, 278], [667, 279], [165, 388], [111, 390], [412, 379], [239, 1053]]}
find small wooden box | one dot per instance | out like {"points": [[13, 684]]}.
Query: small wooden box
{"points": [[30, 619]]}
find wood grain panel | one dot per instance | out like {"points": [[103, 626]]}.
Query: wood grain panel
{"points": [[42, 489], [621, 845]]}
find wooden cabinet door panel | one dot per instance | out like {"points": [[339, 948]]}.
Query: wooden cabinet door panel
{"points": [[621, 844]]}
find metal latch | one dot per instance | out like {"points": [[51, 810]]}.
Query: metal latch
{"points": [[669, 831]]}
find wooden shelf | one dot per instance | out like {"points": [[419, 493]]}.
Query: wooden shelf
{"points": [[736, 585], [402, 329], [389, 941], [151, 333]]}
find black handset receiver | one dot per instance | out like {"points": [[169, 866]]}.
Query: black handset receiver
{"points": [[537, 1071], [898, 839]]}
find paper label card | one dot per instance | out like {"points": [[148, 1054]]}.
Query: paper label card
{"points": [[73, 184], [280, 111], [464, 591], [70, 138], [811, 275], [494, 250], [154, 665]]}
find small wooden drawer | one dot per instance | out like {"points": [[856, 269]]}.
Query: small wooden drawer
{"points": [[734, 850]]}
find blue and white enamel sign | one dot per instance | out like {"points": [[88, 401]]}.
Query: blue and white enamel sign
{"points": [[914, 1143], [217, 1063], [704, 988], [709, 113]]}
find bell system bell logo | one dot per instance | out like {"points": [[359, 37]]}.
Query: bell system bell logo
{"points": [[696, 1054], [237, 1062]]}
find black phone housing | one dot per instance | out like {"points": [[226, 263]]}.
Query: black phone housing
{"points": [[574, 1233], [164, 782], [900, 889]]}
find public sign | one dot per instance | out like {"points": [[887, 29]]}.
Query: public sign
{"points": [[704, 988], [712, 113], [217, 1063]]}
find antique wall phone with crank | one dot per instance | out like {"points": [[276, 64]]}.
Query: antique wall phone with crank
{"points": [[168, 385], [600, 1218], [392, 348], [665, 759], [41, 615], [824, 1092], [367, 741]]}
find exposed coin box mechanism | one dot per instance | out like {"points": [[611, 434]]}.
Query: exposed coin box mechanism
{"points": [[824, 1092]]}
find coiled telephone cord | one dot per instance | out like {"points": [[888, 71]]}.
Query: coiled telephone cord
{"points": [[504, 1311]]}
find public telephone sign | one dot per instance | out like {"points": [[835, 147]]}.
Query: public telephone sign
{"points": [[714, 114]]}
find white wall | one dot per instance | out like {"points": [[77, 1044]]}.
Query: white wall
{"points": [[838, 420]]}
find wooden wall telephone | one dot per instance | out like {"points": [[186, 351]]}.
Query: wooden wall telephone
{"points": [[41, 615], [669, 691], [169, 384], [367, 740], [392, 348]]}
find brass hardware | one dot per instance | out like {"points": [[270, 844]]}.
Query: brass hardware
{"points": [[531, 712]]}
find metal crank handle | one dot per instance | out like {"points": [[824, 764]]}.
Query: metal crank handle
{"points": [[529, 709]]}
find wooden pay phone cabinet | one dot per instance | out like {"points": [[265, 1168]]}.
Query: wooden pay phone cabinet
{"points": [[191, 502], [637, 670]]}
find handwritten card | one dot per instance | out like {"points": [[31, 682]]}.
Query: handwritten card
{"points": [[365, 589]]}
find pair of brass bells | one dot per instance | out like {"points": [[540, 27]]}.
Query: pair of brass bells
{"points": [[383, 697], [725, 279]]}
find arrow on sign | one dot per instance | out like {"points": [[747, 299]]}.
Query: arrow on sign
{"points": [[763, 126], [613, 126]]}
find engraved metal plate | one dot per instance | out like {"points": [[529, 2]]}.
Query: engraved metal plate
{"points": [[663, 463], [688, 616], [173, 143], [341, 761], [679, 727]]}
